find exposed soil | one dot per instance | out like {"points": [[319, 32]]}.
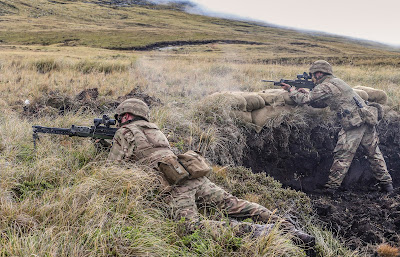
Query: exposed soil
{"points": [[363, 217], [301, 159], [56, 103], [139, 94], [158, 45]]}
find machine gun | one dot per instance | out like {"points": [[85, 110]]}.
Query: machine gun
{"points": [[97, 131], [302, 81]]}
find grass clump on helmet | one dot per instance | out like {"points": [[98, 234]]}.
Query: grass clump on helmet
{"points": [[134, 106], [321, 66]]}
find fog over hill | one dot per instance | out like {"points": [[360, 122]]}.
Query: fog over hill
{"points": [[355, 19]]}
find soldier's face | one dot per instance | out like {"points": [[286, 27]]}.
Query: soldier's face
{"points": [[124, 118], [313, 78], [316, 76]]}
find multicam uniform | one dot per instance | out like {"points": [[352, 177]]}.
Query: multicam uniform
{"points": [[143, 143], [339, 96]]}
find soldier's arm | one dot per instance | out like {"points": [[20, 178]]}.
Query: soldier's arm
{"points": [[119, 148], [318, 94]]}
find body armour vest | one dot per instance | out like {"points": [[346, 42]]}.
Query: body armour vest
{"points": [[146, 144], [343, 103]]}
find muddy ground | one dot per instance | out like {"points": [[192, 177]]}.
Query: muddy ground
{"points": [[363, 217]]}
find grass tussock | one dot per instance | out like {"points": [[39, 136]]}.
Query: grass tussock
{"points": [[269, 191], [84, 66], [385, 250], [328, 245], [88, 66], [45, 66]]}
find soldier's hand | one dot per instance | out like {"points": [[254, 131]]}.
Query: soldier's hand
{"points": [[102, 145], [302, 90], [285, 86]]}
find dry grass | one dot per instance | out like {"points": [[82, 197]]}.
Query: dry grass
{"points": [[61, 200], [385, 250], [328, 245]]}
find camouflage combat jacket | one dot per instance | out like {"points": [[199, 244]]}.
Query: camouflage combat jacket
{"points": [[140, 142], [335, 93]]}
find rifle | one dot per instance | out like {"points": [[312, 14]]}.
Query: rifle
{"points": [[96, 131], [302, 81]]}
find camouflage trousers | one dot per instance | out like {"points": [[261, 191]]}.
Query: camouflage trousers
{"points": [[185, 200], [345, 149]]}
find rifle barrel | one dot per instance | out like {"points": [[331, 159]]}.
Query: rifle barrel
{"points": [[48, 130]]}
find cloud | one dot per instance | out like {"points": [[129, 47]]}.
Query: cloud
{"points": [[356, 18]]}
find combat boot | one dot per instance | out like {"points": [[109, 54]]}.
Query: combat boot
{"points": [[302, 238], [261, 230], [387, 188]]}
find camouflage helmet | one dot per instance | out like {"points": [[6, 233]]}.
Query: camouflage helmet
{"points": [[321, 66], [135, 106]]}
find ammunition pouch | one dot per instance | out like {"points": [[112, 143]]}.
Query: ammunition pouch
{"points": [[370, 115], [173, 171], [349, 119], [195, 164]]}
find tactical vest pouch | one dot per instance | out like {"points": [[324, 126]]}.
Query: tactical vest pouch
{"points": [[379, 107], [195, 164], [351, 120], [173, 171], [369, 115]]}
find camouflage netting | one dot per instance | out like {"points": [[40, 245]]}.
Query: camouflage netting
{"points": [[291, 143]]}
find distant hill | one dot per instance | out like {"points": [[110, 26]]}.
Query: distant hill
{"points": [[140, 25]]}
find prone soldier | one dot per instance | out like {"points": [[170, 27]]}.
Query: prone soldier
{"points": [[358, 121], [139, 141]]}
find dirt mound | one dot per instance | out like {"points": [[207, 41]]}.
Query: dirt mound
{"points": [[139, 94], [56, 103], [301, 157], [365, 218]]}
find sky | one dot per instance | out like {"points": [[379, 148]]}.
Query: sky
{"points": [[365, 19]]}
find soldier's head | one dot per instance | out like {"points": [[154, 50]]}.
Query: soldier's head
{"points": [[320, 68], [131, 108]]}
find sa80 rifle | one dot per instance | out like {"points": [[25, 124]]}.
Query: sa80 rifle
{"points": [[302, 81]]}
